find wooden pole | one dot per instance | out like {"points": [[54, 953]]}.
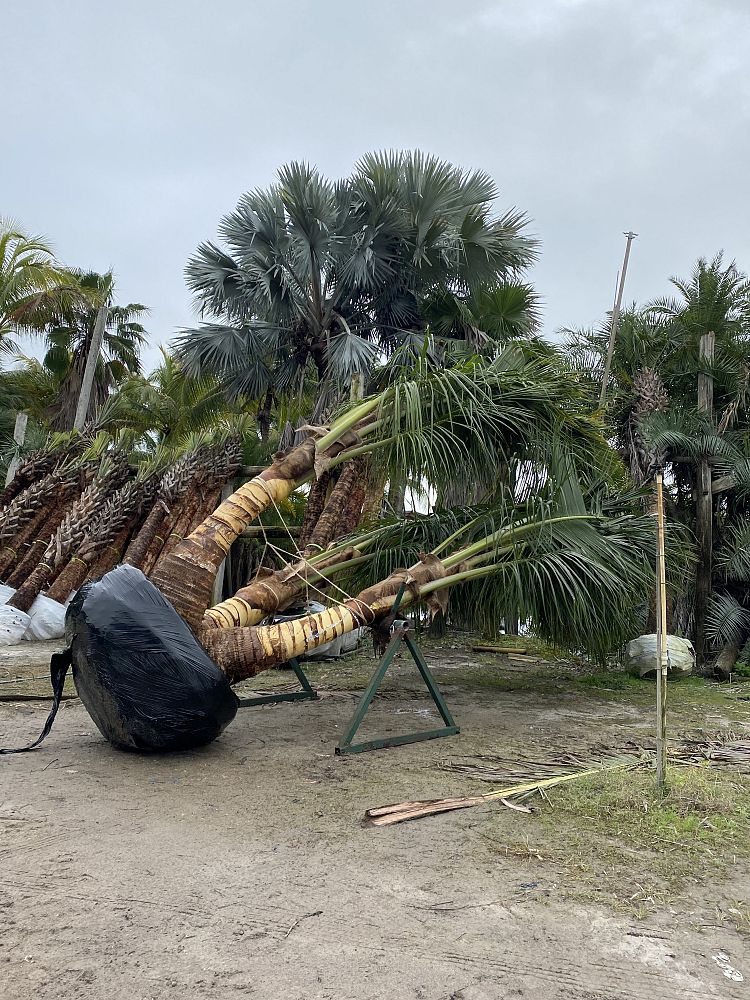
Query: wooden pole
{"points": [[89, 371], [615, 319], [19, 435], [662, 653]]}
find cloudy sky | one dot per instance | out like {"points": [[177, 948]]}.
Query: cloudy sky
{"points": [[131, 127]]}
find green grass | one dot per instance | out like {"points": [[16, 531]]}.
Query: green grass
{"points": [[614, 839]]}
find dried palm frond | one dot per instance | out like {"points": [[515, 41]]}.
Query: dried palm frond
{"points": [[537, 771]]}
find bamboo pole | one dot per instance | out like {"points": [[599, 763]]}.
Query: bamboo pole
{"points": [[661, 640]]}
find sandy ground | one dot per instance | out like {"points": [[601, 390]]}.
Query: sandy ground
{"points": [[243, 869]]}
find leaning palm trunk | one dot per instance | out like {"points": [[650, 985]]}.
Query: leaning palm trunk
{"points": [[275, 591], [244, 652], [186, 575], [174, 484], [31, 505], [118, 514], [316, 501], [36, 547], [37, 465]]}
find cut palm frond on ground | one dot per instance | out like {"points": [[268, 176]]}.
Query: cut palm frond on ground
{"points": [[537, 771], [513, 795]]}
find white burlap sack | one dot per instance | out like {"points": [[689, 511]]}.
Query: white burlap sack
{"points": [[640, 656]]}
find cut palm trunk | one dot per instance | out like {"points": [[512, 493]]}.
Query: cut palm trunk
{"points": [[118, 514], [64, 543]]}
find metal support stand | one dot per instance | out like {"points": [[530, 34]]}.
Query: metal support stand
{"points": [[305, 694], [399, 634]]}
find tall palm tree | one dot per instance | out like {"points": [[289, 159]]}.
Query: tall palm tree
{"points": [[68, 344], [34, 289], [334, 275]]}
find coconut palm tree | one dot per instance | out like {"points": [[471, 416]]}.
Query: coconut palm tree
{"points": [[333, 275], [34, 289], [68, 343]]}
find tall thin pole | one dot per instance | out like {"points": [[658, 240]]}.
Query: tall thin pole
{"points": [[615, 318], [19, 436], [90, 370], [662, 654]]}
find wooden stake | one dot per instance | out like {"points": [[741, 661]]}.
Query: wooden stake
{"points": [[661, 640]]}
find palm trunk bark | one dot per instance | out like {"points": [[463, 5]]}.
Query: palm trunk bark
{"points": [[270, 592], [37, 547], [245, 652], [186, 575], [143, 539], [316, 501], [704, 510]]}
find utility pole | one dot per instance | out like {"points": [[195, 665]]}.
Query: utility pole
{"points": [[615, 318], [90, 370]]}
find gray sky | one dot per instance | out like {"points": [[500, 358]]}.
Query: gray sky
{"points": [[132, 126]]}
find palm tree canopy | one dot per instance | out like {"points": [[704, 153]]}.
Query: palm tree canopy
{"points": [[68, 343], [336, 273], [34, 290]]}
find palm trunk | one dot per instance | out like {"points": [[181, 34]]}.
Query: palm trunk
{"points": [[143, 539], [119, 514], [244, 652], [270, 592], [727, 658], [37, 547], [68, 537], [110, 557], [329, 524], [186, 575], [316, 501], [704, 511]]}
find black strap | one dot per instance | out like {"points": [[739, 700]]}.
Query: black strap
{"points": [[58, 668]]}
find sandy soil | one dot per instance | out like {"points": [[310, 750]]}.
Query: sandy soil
{"points": [[243, 869]]}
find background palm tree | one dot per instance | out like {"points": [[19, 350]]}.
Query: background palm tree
{"points": [[69, 340], [34, 289], [334, 275]]}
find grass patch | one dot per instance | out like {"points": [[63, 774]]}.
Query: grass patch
{"points": [[613, 838]]}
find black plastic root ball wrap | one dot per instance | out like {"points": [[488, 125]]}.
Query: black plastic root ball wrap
{"points": [[139, 670], [146, 682]]}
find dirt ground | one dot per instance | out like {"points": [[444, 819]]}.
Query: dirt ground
{"points": [[243, 869]]}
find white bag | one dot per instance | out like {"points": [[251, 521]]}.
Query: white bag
{"points": [[46, 619], [640, 656]]}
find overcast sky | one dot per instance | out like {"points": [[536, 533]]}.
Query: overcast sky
{"points": [[131, 126]]}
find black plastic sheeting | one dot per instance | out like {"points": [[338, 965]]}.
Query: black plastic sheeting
{"points": [[139, 670]]}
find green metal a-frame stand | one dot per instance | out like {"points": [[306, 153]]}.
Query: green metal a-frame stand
{"points": [[399, 634], [305, 694]]}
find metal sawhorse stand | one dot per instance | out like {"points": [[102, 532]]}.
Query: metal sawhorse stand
{"points": [[399, 634], [306, 694]]}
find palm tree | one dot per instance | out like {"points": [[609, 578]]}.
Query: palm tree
{"points": [[34, 289], [167, 406], [334, 275], [68, 344]]}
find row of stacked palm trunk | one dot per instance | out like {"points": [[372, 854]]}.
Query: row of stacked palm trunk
{"points": [[77, 509]]}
